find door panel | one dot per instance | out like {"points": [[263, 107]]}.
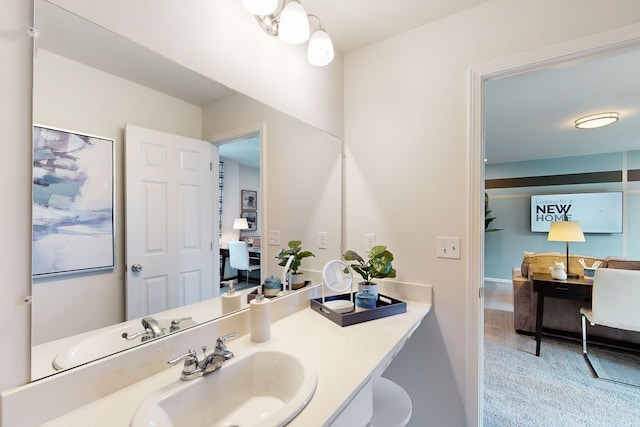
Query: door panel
{"points": [[170, 224]]}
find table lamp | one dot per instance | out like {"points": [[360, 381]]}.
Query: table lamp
{"points": [[566, 231], [240, 224]]}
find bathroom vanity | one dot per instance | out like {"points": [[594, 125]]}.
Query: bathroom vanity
{"points": [[346, 360]]}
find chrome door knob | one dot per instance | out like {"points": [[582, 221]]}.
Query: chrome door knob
{"points": [[136, 268]]}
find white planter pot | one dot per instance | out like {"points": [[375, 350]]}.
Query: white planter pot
{"points": [[296, 280]]}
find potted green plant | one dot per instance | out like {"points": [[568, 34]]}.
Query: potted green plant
{"points": [[378, 266], [487, 218], [296, 278]]}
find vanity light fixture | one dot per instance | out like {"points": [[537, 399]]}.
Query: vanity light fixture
{"points": [[291, 25], [596, 120], [320, 49], [260, 7]]}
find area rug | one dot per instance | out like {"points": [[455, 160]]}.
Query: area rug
{"points": [[555, 389], [616, 365]]}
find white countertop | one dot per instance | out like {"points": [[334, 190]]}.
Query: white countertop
{"points": [[345, 358]]}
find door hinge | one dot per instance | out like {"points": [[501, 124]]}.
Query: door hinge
{"points": [[210, 166], [481, 292], [211, 246]]}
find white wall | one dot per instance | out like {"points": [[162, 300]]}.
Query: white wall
{"points": [[407, 165], [15, 173], [302, 184], [96, 103], [220, 40]]}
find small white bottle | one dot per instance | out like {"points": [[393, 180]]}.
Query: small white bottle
{"points": [[230, 300], [260, 308]]}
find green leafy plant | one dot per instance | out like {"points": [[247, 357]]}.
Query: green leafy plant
{"points": [[378, 266], [487, 218], [295, 249]]}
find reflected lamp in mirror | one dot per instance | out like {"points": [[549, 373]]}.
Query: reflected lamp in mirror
{"points": [[566, 231], [240, 224]]}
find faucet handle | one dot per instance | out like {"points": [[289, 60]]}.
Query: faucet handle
{"points": [[189, 357], [175, 323], [220, 342]]}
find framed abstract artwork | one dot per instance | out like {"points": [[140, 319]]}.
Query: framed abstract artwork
{"points": [[73, 220]]}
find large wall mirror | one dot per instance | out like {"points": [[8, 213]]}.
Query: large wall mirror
{"points": [[92, 81]]}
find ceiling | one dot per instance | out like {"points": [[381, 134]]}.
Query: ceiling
{"points": [[531, 116], [353, 24], [528, 116]]}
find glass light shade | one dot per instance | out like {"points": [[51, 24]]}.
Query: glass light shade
{"points": [[293, 27], [260, 7], [320, 49], [565, 231], [596, 120], [240, 224]]}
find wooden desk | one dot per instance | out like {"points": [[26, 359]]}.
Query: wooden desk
{"points": [[575, 289]]}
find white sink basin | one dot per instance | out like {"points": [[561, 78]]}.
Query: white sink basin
{"points": [[104, 342], [265, 388]]}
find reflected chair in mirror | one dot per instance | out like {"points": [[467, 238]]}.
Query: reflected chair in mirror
{"points": [[614, 304], [239, 259]]}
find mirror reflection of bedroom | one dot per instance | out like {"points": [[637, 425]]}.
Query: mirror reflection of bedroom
{"points": [[239, 213]]}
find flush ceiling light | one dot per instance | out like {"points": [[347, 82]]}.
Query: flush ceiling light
{"points": [[291, 25], [596, 120]]}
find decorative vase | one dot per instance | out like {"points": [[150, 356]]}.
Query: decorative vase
{"points": [[370, 287], [365, 299]]}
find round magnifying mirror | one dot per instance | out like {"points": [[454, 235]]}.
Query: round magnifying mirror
{"points": [[337, 276]]}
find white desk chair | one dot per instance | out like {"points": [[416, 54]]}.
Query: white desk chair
{"points": [[615, 303], [239, 259]]}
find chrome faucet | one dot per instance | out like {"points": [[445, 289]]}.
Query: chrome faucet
{"points": [[194, 367], [151, 327]]}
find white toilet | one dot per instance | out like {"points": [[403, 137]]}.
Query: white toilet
{"points": [[391, 404]]}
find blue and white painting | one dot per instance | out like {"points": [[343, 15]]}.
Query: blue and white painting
{"points": [[73, 202]]}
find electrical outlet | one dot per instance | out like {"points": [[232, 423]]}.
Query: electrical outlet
{"points": [[322, 240], [369, 241], [274, 238], [448, 247]]}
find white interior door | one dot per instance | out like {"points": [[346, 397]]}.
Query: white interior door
{"points": [[170, 225]]}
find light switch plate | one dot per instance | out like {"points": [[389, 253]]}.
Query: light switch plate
{"points": [[369, 241], [274, 238], [448, 247], [322, 240]]}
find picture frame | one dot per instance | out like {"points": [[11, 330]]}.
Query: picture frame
{"points": [[73, 202], [252, 219], [248, 200]]}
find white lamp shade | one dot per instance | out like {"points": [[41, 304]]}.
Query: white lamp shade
{"points": [[240, 224], [293, 27], [260, 7], [565, 231], [320, 50]]}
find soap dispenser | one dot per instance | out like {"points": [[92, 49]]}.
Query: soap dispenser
{"points": [[230, 300], [260, 309]]}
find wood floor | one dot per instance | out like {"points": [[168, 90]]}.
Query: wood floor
{"points": [[498, 319]]}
